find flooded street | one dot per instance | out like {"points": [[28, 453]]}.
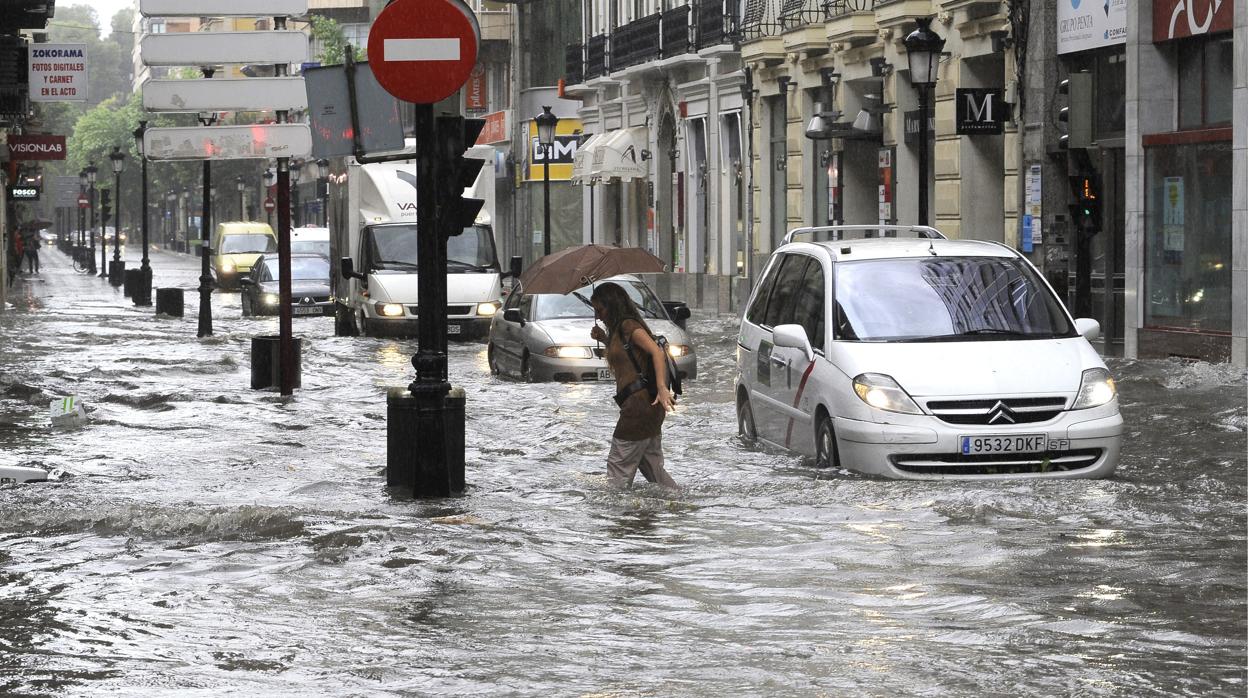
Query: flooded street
{"points": [[204, 536]]}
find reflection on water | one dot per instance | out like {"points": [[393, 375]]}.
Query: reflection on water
{"points": [[215, 538]]}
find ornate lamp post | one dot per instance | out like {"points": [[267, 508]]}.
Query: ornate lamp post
{"points": [[241, 187], [82, 212], [295, 166], [322, 189], [546, 122], [143, 294], [91, 172], [117, 270], [923, 47], [270, 179]]}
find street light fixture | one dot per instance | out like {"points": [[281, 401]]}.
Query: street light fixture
{"points": [[241, 186], [322, 189], [143, 294], [270, 180], [116, 270], [91, 172], [923, 48], [546, 123], [294, 167], [82, 212]]}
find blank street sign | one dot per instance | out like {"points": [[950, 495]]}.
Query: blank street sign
{"points": [[222, 8], [214, 48], [246, 94], [257, 141]]}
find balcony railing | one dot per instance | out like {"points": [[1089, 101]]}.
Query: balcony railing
{"points": [[761, 19], [716, 22], [677, 32], [636, 42], [574, 64], [836, 8], [799, 13], [596, 57]]}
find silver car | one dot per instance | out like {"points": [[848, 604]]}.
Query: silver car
{"points": [[543, 337]]}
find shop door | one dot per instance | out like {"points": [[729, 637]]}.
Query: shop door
{"points": [[1109, 254]]}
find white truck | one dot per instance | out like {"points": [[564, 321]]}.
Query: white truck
{"points": [[376, 288]]}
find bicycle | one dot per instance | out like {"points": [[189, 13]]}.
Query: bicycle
{"points": [[82, 263]]}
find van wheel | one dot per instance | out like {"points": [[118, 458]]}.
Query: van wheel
{"points": [[489, 359], [826, 455], [746, 428]]}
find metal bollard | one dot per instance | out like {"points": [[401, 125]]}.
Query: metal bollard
{"points": [[266, 362], [169, 302]]}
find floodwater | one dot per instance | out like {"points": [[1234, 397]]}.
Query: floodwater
{"points": [[203, 537]]}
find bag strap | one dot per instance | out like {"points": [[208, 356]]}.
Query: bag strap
{"points": [[628, 349]]}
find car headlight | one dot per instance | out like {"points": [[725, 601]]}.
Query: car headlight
{"points": [[883, 393], [1096, 389], [678, 350], [488, 309], [227, 267], [560, 352], [389, 309], [269, 298]]}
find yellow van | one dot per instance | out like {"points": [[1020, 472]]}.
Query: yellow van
{"points": [[235, 248]]}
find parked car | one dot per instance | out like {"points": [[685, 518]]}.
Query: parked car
{"points": [[309, 286], [919, 357], [309, 239], [545, 336]]}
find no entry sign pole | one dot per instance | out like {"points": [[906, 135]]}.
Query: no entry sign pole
{"points": [[423, 51]]}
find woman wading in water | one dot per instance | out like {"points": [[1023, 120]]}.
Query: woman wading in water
{"points": [[638, 438]]}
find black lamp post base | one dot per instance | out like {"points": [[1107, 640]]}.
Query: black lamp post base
{"points": [[116, 272], [142, 293], [425, 443]]}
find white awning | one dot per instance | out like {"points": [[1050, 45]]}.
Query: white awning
{"points": [[583, 161], [619, 155]]}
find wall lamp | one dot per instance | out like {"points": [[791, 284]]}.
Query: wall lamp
{"points": [[880, 67], [783, 83], [1001, 40]]}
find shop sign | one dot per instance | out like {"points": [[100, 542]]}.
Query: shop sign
{"points": [[912, 118], [497, 128], [475, 89], [1177, 19], [23, 192], [886, 200], [1090, 24], [39, 147], [1032, 217], [567, 139], [57, 72], [980, 111], [1172, 220]]}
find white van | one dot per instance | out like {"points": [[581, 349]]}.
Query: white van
{"points": [[310, 239], [893, 351]]}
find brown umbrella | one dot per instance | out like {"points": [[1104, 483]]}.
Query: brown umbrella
{"points": [[567, 270]]}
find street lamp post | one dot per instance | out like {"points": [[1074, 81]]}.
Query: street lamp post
{"points": [[322, 189], [270, 179], [143, 294], [82, 212], [205, 231], [295, 167], [91, 172], [923, 47], [546, 122], [241, 186], [117, 270]]}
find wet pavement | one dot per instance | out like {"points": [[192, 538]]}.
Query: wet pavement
{"points": [[207, 537]]}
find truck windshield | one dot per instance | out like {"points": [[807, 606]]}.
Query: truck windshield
{"points": [[945, 299], [250, 242], [395, 246]]}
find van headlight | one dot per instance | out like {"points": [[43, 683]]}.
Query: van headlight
{"points": [[269, 298], [561, 352], [883, 393], [389, 309], [1096, 389], [227, 267], [488, 309]]}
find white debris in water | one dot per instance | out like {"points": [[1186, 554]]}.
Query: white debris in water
{"points": [[67, 413]]}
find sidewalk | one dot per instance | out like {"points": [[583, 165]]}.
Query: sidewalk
{"points": [[58, 283]]}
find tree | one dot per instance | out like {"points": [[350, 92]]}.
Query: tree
{"points": [[333, 42]]}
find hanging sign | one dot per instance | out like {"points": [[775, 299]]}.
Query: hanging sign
{"points": [[57, 72], [37, 147], [567, 140], [980, 111], [23, 192], [1177, 19]]}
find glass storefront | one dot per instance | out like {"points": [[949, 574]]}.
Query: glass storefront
{"points": [[1188, 237]]}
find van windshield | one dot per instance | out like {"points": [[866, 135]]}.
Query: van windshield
{"points": [[320, 247], [250, 242], [395, 247], [945, 299]]}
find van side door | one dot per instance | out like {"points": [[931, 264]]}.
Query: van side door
{"points": [[800, 384]]}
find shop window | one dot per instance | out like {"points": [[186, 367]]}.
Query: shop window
{"points": [[1206, 78], [1188, 237]]}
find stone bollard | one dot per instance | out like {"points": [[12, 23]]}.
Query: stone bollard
{"points": [[266, 362], [169, 302]]}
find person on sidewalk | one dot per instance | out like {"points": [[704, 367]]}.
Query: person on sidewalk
{"points": [[31, 247], [638, 438]]}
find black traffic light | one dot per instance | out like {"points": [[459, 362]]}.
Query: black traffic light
{"points": [[1077, 114], [1085, 212], [105, 208], [455, 135]]}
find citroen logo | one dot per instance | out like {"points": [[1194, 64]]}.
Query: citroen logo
{"points": [[1000, 414]]}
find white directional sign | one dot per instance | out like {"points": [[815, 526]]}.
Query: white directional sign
{"points": [[257, 141], [246, 94], [213, 48], [222, 8]]}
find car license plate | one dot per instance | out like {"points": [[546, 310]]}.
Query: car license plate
{"points": [[604, 374], [307, 310], [1000, 443], [453, 329]]}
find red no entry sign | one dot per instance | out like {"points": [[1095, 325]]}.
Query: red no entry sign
{"points": [[269, 205], [82, 201], [422, 51]]}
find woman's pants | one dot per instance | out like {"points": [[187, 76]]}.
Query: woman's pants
{"points": [[627, 456]]}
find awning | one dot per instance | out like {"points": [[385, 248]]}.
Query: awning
{"points": [[620, 155], [582, 163]]}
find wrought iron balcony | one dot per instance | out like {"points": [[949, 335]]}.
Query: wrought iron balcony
{"points": [[574, 64], [761, 19], [716, 22], [836, 8], [677, 32], [596, 57], [799, 13], [636, 42]]}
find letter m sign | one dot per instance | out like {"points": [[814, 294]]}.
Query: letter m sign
{"points": [[981, 111]]}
